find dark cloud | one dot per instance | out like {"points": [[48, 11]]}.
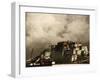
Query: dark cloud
{"points": [[42, 29]]}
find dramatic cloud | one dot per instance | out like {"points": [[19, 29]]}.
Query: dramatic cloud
{"points": [[43, 29]]}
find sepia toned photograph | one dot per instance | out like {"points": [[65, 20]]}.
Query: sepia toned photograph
{"points": [[56, 39]]}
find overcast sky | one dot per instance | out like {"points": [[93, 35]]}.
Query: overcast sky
{"points": [[42, 28]]}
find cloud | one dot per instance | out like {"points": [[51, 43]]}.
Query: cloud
{"points": [[42, 29]]}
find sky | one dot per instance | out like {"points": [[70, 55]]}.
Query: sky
{"points": [[43, 29]]}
